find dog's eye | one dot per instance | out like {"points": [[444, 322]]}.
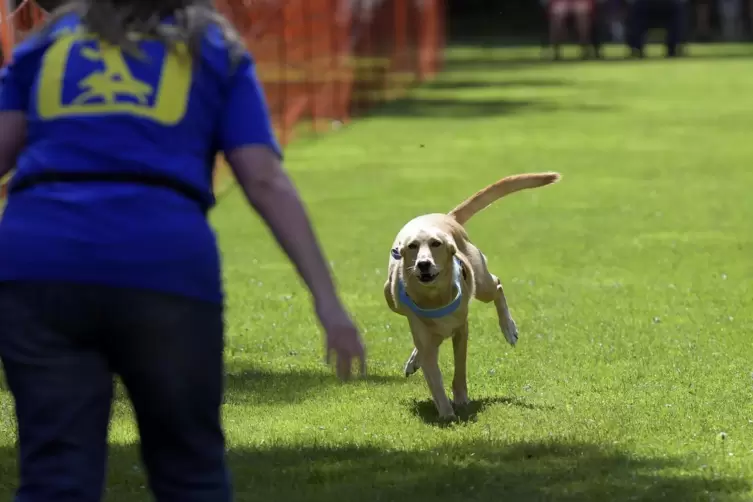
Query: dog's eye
{"points": [[413, 245], [435, 243]]}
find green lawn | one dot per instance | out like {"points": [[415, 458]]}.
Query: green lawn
{"points": [[630, 281]]}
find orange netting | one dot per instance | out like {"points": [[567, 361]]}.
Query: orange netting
{"points": [[319, 60], [323, 60], [22, 20]]}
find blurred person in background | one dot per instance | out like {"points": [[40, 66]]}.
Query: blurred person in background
{"points": [[616, 20], [600, 26], [730, 19], [668, 15], [703, 20], [113, 115], [559, 12]]}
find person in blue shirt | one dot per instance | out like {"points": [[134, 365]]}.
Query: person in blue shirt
{"points": [[112, 115]]}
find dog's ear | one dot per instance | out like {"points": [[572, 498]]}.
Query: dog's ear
{"points": [[451, 247]]}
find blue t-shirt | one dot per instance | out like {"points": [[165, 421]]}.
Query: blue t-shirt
{"points": [[93, 109]]}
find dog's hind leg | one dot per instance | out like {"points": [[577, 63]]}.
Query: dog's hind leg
{"points": [[506, 322], [413, 363], [489, 289]]}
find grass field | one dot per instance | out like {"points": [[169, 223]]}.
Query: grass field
{"points": [[630, 282]]}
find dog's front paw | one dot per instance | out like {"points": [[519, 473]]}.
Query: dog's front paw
{"points": [[510, 330]]}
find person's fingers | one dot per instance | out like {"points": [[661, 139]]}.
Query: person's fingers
{"points": [[344, 365], [362, 358], [359, 351]]}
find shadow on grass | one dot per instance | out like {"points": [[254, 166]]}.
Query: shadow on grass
{"points": [[488, 58], [423, 106], [427, 411], [490, 63], [262, 386], [452, 85], [268, 387], [476, 471]]}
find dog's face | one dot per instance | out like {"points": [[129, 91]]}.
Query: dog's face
{"points": [[427, 255]]}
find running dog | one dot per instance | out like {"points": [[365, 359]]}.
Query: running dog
{"points": [[433, 273]]}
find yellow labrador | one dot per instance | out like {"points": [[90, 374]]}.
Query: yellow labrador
{"points": [[433, 273]]}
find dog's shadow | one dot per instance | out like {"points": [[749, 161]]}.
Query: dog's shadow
{"points": [[427, 412]]}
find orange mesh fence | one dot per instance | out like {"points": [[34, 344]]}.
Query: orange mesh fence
{"points": [[320, 61], [22, 20], [325, 60]]}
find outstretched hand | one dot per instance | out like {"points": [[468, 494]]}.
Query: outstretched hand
{"points": [[343, 340]]}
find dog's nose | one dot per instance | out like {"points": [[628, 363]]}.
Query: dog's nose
{"points": [[423, 266]]}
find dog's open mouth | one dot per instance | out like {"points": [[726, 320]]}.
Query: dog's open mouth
{"points": [[427, 277]]}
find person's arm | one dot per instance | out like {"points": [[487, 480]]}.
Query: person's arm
{"points": [[247, 138], [12, 139], [248, 141], [271, 192]]}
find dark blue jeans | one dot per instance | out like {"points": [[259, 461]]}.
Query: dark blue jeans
{"points": [[646, 14], [61, 344]]}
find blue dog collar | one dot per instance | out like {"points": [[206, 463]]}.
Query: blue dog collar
{"points": [[442, 311]]}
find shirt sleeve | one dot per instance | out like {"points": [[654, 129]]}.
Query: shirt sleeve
{"points": [[17, 77], [246, 119]]}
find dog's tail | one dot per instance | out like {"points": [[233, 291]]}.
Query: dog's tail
{"points": [[485, 197]]}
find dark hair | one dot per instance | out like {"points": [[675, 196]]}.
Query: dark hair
{"points": [[116, 21]]}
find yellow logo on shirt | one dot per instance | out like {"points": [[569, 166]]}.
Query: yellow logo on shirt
{"points": [[112, 86]]}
